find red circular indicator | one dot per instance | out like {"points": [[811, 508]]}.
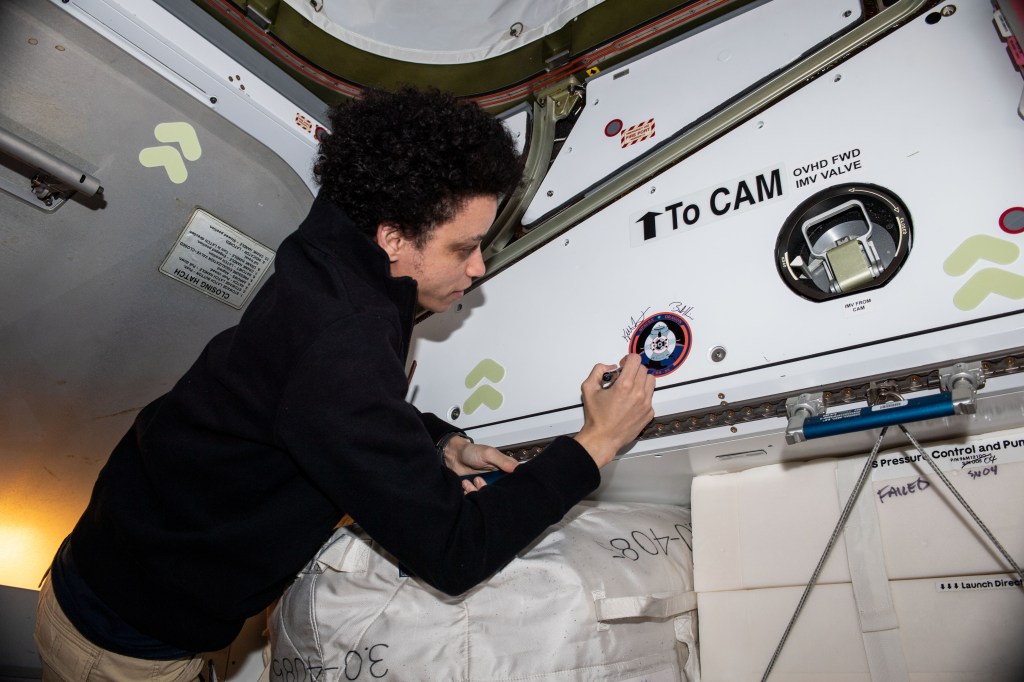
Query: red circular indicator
{"points": [[1012, 220], [613, 128]]}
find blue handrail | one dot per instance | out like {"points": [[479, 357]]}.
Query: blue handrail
{"points": [[875, 416]]}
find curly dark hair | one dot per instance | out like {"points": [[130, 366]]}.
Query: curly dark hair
{"points": [[412, 158]]}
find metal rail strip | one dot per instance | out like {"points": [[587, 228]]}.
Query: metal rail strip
{"points": [[700, 135]]}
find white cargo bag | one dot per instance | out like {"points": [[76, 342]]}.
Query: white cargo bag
{"points": [[606, 594]]}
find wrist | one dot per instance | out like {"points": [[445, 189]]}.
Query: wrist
{"points": [[601, 450], [447, 450]]}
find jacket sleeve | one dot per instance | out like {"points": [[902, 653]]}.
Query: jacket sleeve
{"points": [[343, 418], [435, 426]]}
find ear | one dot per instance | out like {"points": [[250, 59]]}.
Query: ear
{"points": [[390, 238]]}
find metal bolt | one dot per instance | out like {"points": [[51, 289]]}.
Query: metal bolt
{"points": [[551, 192], [454, 413], [717, 354]]}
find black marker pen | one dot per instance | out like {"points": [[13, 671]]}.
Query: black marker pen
{"points": [[609, 377]]}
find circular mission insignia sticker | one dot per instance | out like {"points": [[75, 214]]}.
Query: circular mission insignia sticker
{"points": [[663, 342]]}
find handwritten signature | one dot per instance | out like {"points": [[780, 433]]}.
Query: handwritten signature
{"points": [[684, 310], [634, 322]]}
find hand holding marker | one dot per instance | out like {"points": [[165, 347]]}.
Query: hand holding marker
{"points": [[607, 379]]}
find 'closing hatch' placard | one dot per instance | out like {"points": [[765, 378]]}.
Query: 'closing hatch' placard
{"points": [[218, 260]]}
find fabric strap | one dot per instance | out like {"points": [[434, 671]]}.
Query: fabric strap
{"points": [[878, 622], [346, 553], [662, 605]]}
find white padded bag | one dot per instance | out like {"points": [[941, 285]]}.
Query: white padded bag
{"points": [[606, 594]]}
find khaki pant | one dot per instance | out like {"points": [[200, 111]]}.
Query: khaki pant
{"points": [[67, 656]]}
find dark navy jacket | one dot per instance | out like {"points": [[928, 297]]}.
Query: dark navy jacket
{"points": [[227, 485]]}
